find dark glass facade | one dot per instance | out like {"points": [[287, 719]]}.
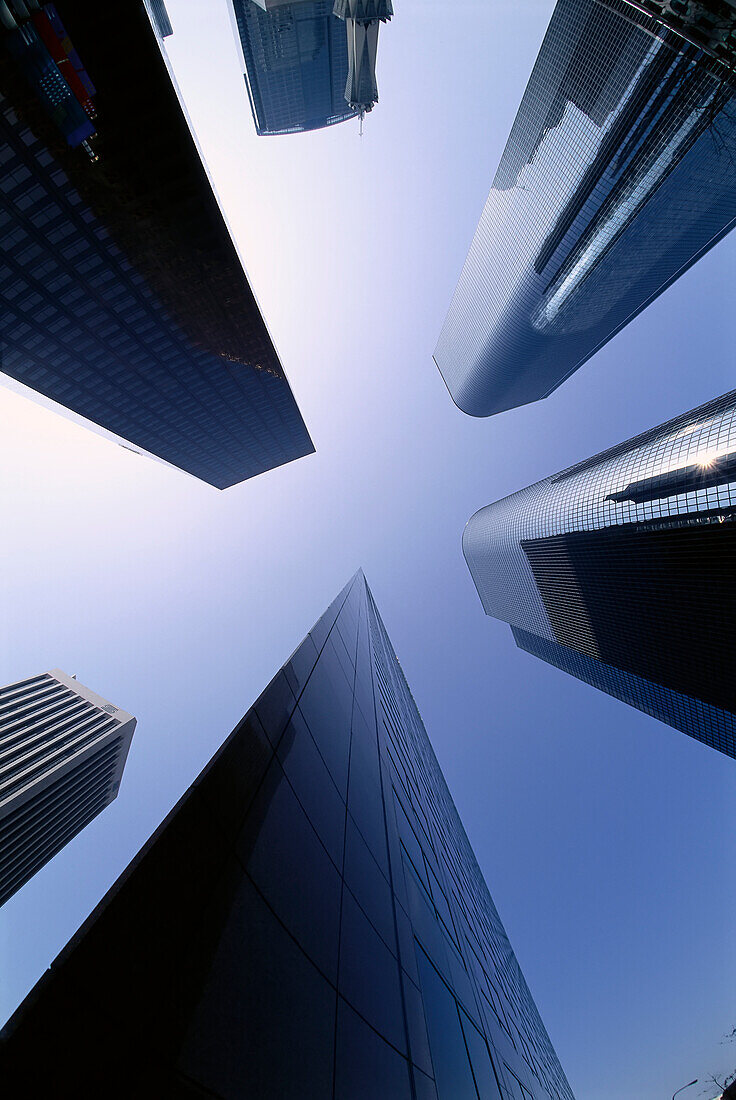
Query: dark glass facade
{"points": [[620, 570], [619, 173], [123, 295], [296, 64], [309, 921]]}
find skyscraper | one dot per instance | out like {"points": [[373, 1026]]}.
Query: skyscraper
{"points": [[295, 56], [124, 297], [363, 20], [308, 922], [619, 173], [620, 570], [62, 754]]}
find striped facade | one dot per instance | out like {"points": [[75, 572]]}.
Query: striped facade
{"points": [[62, 754]]}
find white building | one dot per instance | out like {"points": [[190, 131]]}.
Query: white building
{"points": [[62, 754]]}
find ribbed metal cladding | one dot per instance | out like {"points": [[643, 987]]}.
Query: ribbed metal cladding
{"points": [[62, 753]]}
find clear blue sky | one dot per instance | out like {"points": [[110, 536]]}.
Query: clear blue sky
{"points": [[607, 839]]}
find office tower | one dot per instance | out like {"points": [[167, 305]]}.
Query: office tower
{"points": [[160, 17], [620, 570], [124, 298], [363, 20], [619, 173], [62, 754], [295, 57], [308, 922]]}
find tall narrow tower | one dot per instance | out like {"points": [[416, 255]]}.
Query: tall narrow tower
{"points": [[308, 922], [62, 754]]}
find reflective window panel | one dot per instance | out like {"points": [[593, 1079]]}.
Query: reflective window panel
{"points": [[620, 569], [124, 298], [308, 922], [619, 173]]}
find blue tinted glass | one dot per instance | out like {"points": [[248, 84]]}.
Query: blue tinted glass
{"points": [[276, 1036], [243, 882], [451, 1065], [367, 1068], [314, 786], [369, 974], [410, 842], [293, 871], [369, 886], [485, 1078], [407, 949], [301, 665], [275, 706], [236, 772], [417, 1027], [425, 1086], [365, 799], [345, 660], [424, 922], [124, 333], [610, 186], [326, 705], [440, 900]]}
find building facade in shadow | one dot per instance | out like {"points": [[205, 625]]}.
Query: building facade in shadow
{"points": [[620, 570], [124, 298], [308, 922]]}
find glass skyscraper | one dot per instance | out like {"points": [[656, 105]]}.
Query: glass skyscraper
{"points": [[308, 922], [620, 570], [124, 298], [62, 754], [295, 55], [619, 173]]}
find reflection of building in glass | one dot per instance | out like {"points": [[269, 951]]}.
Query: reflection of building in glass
{"points": [[309, 921], [296, 64], [620, 570], [619, 173], [62, 754], [309, 63], [123, 296], [363, 19]]}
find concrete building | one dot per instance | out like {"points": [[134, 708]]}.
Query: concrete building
{"points": [[62, 754]]}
